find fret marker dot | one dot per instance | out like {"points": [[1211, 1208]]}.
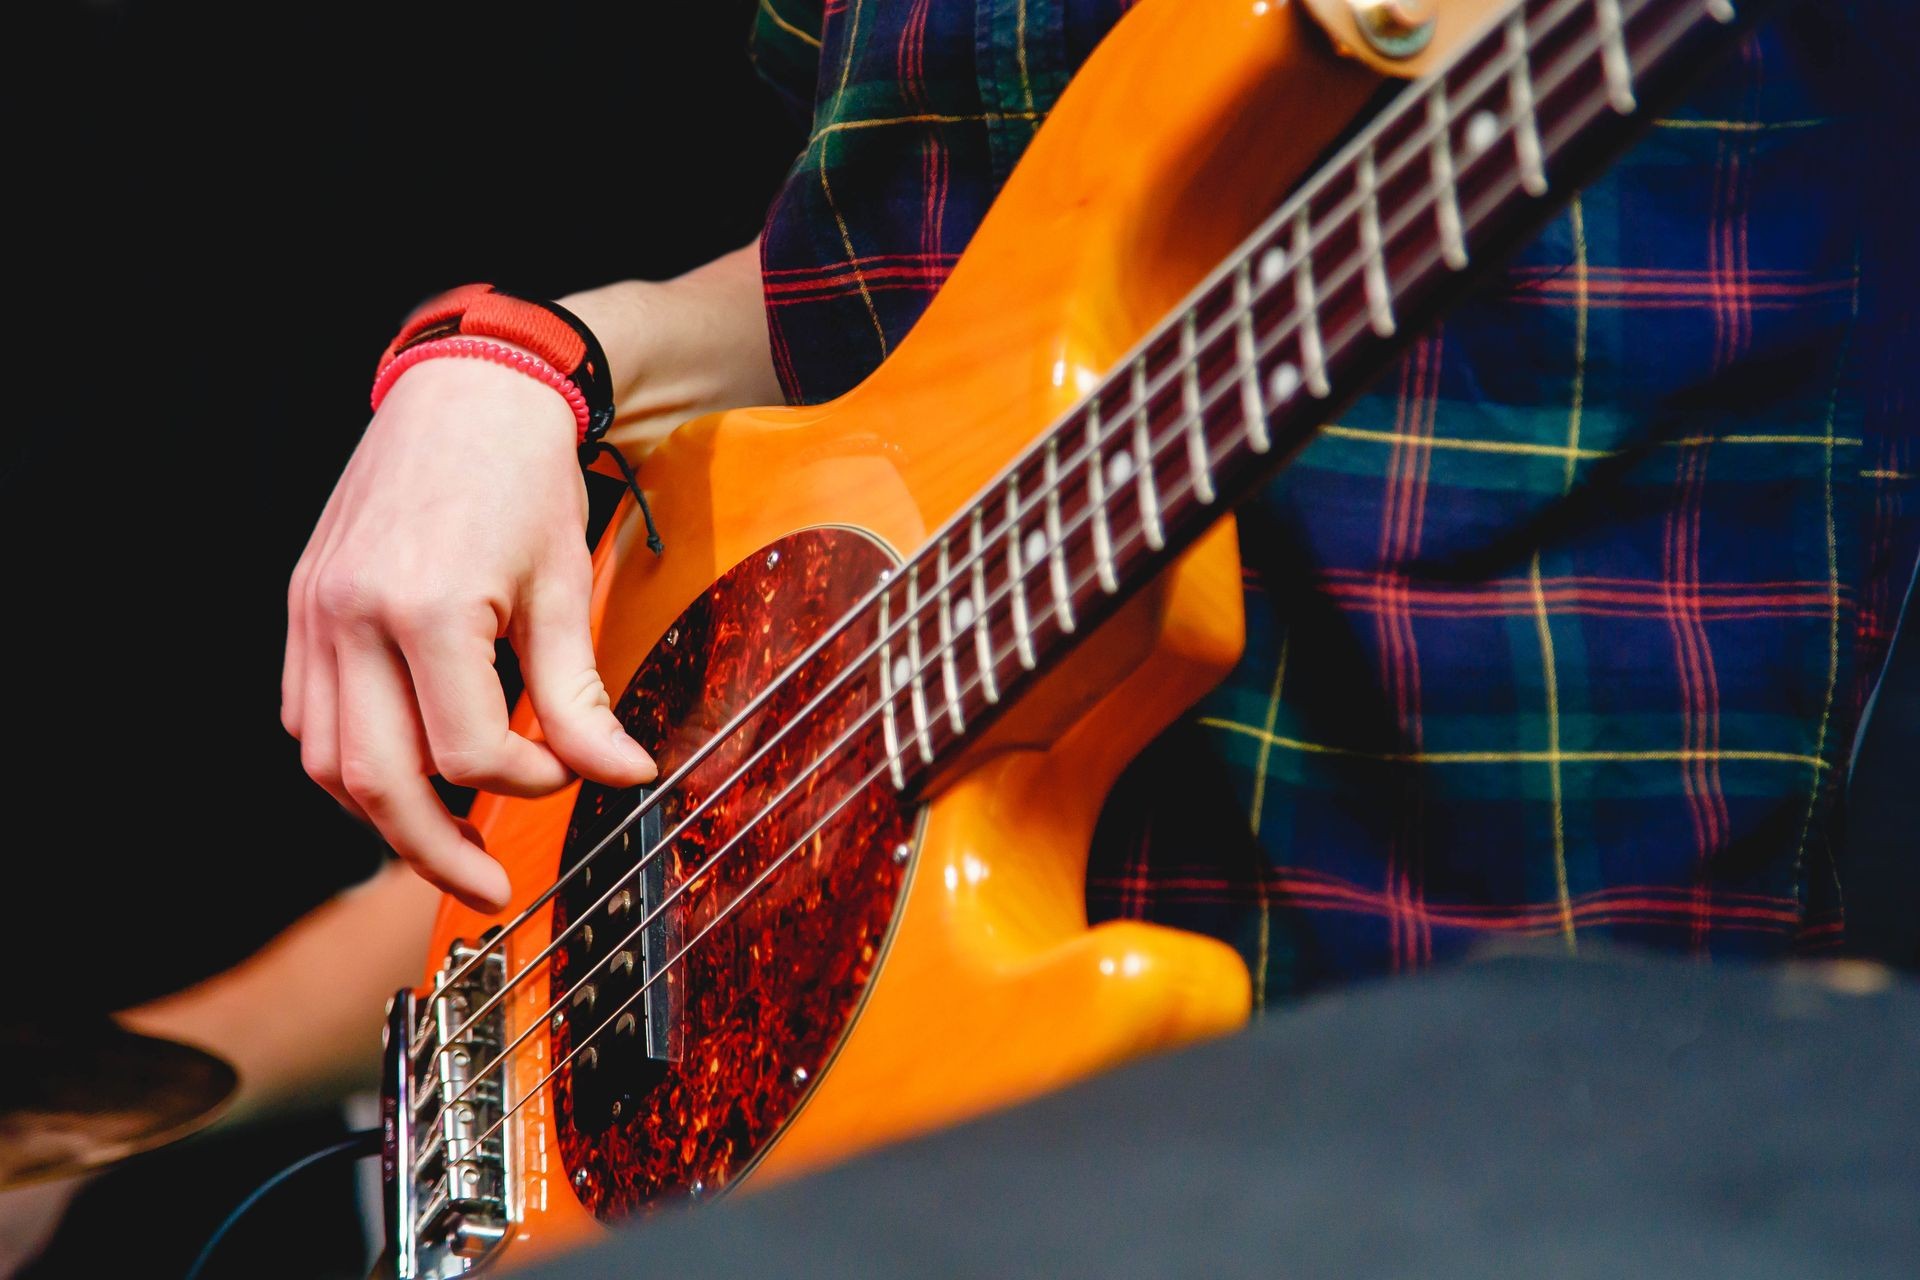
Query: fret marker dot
{"points": [[1035, 547], [1483, 130], [1119, 469], [1283, 384], [963, 615], [1273, 265], [901, 670]]}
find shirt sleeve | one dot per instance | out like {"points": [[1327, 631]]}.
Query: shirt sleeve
{"points": [[784, 46]]}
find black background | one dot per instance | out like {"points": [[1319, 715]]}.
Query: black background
{"points": [[231, 208]]}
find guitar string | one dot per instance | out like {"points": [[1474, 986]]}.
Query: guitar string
{"points": [[917, 675], [1332, 222], [1174, 435]]}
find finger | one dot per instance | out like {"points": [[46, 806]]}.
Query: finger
{"points": [[319, 729], [293, 665], [556, 656], [300, 613], [465, 713], [382, 765]]}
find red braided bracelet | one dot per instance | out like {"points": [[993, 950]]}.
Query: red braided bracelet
{"points": [[479, 349]]}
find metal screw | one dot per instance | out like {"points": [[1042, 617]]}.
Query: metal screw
{"points": [[581, 1179], [615, 1108], [471, 1177], [1396, 29], [901, 852], [673, 636], [773, 558], [697, 1190], [559, 1020], [799, 1076]]}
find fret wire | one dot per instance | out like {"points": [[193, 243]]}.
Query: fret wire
{"points": [[1447, 208], [923, 734], [949, 664], [1379, 298], [1189, 409], [1526, 133], [1143, 462], [1307, 307], [982, 637], [1017, 577], [1613, 57], [1097, 495], [1253, 414], [888, 727], [1056, 545]]}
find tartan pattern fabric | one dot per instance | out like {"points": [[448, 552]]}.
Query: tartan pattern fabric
{"points": [[1565, 627]]}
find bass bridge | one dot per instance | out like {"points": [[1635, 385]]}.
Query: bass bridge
{"points": [[447, 1155]]}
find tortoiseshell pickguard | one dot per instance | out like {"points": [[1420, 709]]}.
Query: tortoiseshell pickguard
{"points": [[762, 999]]}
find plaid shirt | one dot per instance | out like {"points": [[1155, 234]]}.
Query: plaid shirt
{"points": [[1565, 628]]}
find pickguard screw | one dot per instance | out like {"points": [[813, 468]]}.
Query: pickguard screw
{"points": [[697, 1190], [559, 1020], [582, 1179], [901, 852], [799, 1076], [673, 636], [773, 558]]}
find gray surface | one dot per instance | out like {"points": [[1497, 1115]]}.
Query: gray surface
{"points": [[1519, 1116]]}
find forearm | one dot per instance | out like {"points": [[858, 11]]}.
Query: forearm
{"points": [[683, 347], [301, 1019]]}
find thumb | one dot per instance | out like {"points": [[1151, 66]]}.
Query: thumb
{"points": [[576, 716]]}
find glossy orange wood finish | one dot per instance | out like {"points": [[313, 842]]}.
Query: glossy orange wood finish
{"points": [[1181, 133]]}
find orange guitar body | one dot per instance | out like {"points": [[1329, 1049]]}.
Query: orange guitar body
{"points": [[1187, 128]]}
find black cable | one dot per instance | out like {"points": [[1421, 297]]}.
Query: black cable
{"points": [[361, 1144]]}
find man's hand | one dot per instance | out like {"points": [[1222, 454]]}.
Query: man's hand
{"points": [[459, 519]]}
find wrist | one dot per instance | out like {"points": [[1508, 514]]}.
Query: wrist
{"points": [[479, 390], [529, 366]]}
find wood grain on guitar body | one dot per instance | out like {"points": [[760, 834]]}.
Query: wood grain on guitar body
{"points": [[902, 643]]}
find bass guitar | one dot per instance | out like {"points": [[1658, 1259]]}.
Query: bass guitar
{"points": [[901, 644]]}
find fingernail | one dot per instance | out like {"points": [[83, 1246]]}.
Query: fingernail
{"points": [[634, 754]]}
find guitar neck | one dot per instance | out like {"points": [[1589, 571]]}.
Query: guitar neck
{"points": [[1362, 258]]}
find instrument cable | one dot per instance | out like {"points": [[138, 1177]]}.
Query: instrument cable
{"points": [[360, 1145]]}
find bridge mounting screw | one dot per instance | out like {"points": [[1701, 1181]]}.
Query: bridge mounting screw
{"points": [[799, 1076], [673, 636], [559, 1019], [773, 558], [901, 852], [697, 1190], [582, 1178]]}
